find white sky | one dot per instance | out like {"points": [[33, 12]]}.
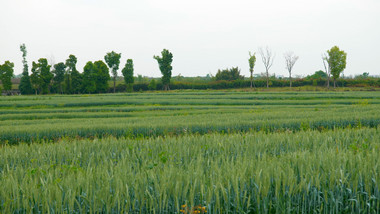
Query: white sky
{"points": [[203, 35]]}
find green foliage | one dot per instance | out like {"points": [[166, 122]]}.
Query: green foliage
{"points": [[95, 77], [302, 172], [76, 82], [24, 53], [89, 78], [229, 74], [365, 75], [73, 79], [164, 63], [71, 63], [156, 114], [152, 85], [6, 74], [128, 75], [41, 76], [102, 76], [318, 75], [140, 78], [251, 61], [67, 83], [233, 152], [25, 85], [113, 60], [336, 61], [59, 75]]}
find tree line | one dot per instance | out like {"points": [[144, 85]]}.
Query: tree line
{"points": [[64, 77], [334, 62]]}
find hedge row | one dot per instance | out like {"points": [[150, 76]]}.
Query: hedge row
{"points": [[223, 84]]}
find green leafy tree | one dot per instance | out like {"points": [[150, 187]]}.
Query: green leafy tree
{"points": [[89, 78], [128, 75], [59, 75], [6, 74], [336, 61], [76, 81], [365, 75], [73, 79], [251, 61], [152, 85], [41, 76], [318, 75], [229, 74], [25, 85], [164, 63], [35, 78], [102, 76], [113, 60]]}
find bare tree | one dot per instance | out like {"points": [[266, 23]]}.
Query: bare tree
{"points": [[51, 59], [290, 59], [325, 60], [267, 57]]}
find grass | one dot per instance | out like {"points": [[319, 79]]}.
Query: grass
{"points": [[254, 172], [178, 152], [34, 118]]}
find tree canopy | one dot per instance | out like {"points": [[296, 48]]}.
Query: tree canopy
{"points": [[229, 74], [6, 74], [73, 79], [318, 75], [113, 60], [41, 76], [89, 78], [102, 76], [336, 61], [164, 63], [251, 61], [128, 74], [25, 85], [59, 75]]}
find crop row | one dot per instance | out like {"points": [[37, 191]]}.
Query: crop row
{"points": [[303, 172], [207, 98], [30, 125], [171, 126]]}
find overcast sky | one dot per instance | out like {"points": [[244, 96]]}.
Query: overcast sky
{"points": [[203, 35]]}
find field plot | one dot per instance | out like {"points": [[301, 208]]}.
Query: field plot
{"points": [[26, 119], [229, 152]]}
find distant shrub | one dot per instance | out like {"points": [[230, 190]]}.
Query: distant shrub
{"points": [[241, 83]]}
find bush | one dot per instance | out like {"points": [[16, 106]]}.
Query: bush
{"points": [[152, 85], [240, 83]]}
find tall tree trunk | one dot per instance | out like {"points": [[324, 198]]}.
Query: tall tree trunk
{"points": [[290, 81], [328, 81], [251, 80], [334, 82], [114, 84]]}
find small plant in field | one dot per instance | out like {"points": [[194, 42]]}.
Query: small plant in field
{"points": [[193, 210]]}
